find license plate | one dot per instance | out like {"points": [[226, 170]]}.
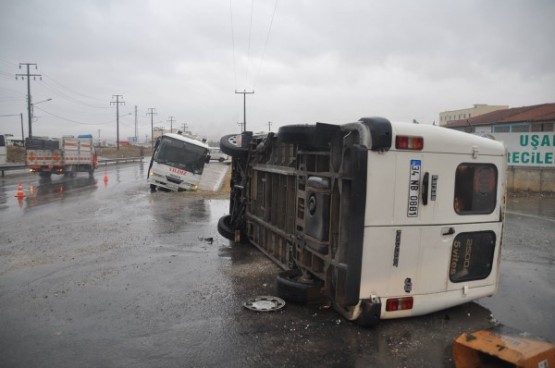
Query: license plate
{"points": [[172, 186], [414, 188]]}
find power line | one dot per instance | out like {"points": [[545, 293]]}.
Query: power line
{"points": [[59, 92], [73, 121], [265, 44], [233, 42], [9, 89], [11, 98], [72, 90], [10, 63], [249, 48], [6, 74]]}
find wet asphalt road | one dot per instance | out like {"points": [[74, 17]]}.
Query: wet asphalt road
{"points": [[526, 296], [111, 275]]}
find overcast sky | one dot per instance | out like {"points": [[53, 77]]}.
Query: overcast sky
{"points": [[307, 61]]}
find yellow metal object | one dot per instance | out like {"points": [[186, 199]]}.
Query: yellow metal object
{"points": [[502, 347]]}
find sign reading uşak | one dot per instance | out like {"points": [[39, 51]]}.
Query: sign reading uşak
{"points": [[529, 149]]}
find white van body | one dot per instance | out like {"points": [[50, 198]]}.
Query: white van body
{"points": [[177, 163], [427, 246], [216, 154], [385, 220]]}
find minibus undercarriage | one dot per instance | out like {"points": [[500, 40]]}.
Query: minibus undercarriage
{"points": [[299, 196]]}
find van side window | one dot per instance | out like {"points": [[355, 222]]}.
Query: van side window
{"points": [[472, 256], [475, 189]]}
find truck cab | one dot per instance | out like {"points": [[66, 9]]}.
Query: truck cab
{"points": [[381, 220]]}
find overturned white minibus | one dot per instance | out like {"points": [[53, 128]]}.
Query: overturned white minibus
{"points": [[379, 219]]}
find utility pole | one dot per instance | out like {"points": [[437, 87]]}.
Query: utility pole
{"points": [[269, 125], [22, 133], [244, 93], [136, 126], [29, 75], [151, 112], [117, 102], [171, 120]]}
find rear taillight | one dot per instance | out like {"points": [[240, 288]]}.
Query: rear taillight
{"points": [[409, 142], [397, 304]]}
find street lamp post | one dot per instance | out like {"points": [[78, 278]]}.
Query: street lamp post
{"points": [[31, 115]]}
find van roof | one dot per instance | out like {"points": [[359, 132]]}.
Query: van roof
{"points": [[186, 139], [444, 140]]}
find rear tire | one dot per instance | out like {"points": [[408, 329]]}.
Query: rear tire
{"points": [[307, 136], [225, 229], [233, 145], [291, 288], [299, 134]]}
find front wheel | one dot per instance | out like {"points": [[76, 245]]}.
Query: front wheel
{"points": [[292, 287], [152, 188], [235, 145], [225, 228]]}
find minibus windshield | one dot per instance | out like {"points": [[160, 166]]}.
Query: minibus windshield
{"points": [[180, 154]]}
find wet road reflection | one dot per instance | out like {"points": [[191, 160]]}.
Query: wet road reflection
{"points": [[49, 190], [535, 205], [39, 191]]}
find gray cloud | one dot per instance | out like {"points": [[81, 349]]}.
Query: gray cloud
{"points": [[323, 60]]}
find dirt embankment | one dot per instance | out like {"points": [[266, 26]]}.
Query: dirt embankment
{"points": [[17, 154]]}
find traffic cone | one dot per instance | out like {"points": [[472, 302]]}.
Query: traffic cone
{"points": [[105, 177], [20, 193]]}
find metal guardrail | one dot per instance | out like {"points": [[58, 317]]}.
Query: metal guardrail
{"points": [[4, 168], [118, 160], [104, 161]]}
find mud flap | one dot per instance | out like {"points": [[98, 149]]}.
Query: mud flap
{"points": [[501, 347], [370, 315]]}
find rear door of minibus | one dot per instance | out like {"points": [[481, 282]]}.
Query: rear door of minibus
{"points": [[436, 225]]}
